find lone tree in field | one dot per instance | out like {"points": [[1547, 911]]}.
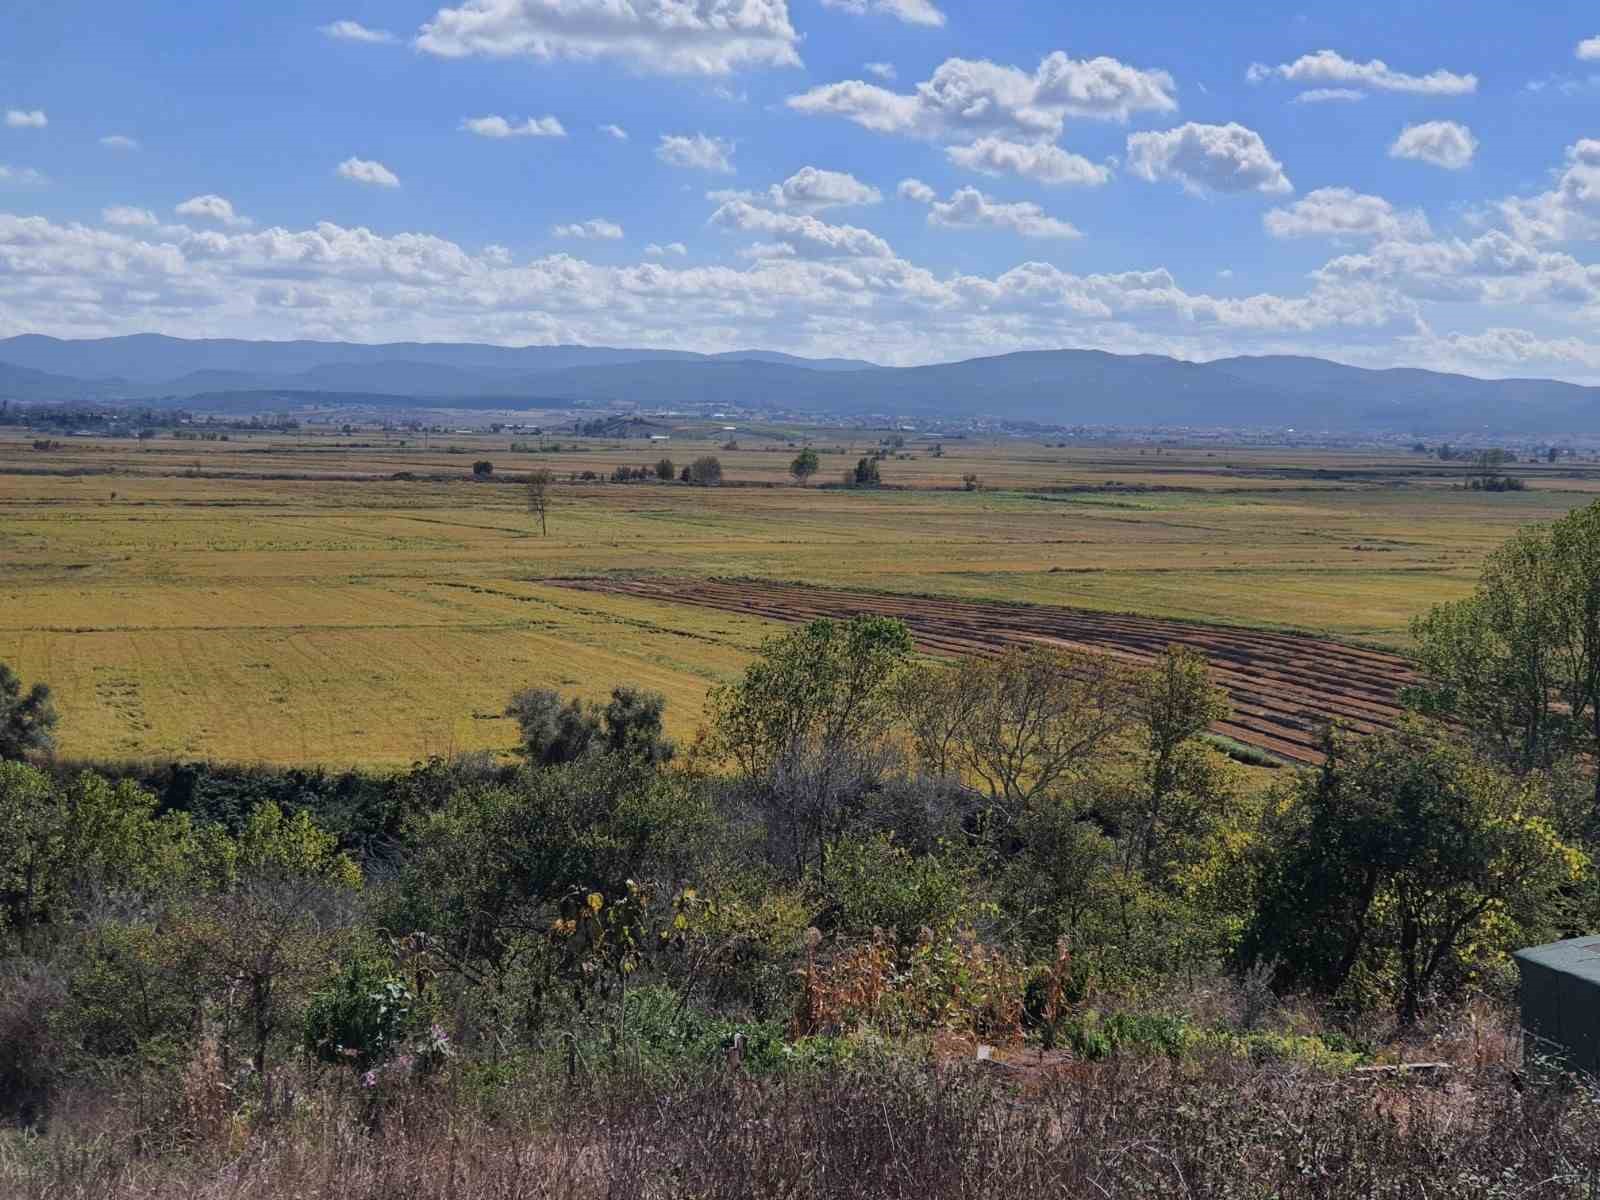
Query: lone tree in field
{"points": [[539, 497], [804, 466], [26, 719], [706, 471], [665, 471]]}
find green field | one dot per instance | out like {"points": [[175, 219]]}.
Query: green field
{"points": [[288, 601]]}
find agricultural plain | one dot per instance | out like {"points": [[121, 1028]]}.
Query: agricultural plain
{"points": [[339, 601]]}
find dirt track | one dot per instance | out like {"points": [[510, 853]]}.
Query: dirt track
{"points": [[1284, 686]]}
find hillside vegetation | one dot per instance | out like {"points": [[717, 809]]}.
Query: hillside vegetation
{"points": [[888, 926]]}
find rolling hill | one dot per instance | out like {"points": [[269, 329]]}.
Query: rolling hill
{"points": [[1055, 387]]}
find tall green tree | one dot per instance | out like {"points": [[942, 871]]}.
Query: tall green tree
{"points": [[805, 465], [1183, 789], [1518, 662], [806, 715], [1405, 860]]}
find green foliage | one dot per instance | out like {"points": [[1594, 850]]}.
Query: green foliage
{"points": [[27, 719], [489, 874], [1518, 663], [1185, 796], [134, 991], [554, 731], [272, 845], [705, 471], [663, 1032], [805, 465], [361, 1015], [631, 724], [1405, 863], [873, 883], [1020, 724], [825, 684], [59, 839], [807, 726]]}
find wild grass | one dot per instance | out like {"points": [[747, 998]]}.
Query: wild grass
{"points": [[1210, 1124]]}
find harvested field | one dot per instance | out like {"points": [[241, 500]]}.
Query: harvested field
{"points": [[1284, 686]]}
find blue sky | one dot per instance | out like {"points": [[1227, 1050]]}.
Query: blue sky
{"points": [[907, 180]]}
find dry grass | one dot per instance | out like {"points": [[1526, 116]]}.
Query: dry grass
{"points": [[340, 621], [1129, 1127]]}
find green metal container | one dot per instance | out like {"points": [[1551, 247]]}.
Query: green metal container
{"points": [[1561, 999]]}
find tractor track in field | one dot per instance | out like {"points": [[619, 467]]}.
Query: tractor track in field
{"points": [[1284, 686]]}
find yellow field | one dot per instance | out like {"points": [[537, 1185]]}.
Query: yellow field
{"points": [[287, 601]]}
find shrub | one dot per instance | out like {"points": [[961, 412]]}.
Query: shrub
{"points": [[874, 883], [361, 1015]]}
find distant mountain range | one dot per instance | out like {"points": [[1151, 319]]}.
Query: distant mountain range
{"points": [[1057, 387]]}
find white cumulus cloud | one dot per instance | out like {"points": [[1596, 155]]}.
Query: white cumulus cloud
{"points": [[1519, 347], [127, 214], [830, 290], [594, 229], [354, 31], [212, 207], [682, 37], [809, 190], [1567, 211], [615, 131], [16, 118], [365, 170], [801, 236], [1341, 212], [966, 98], [1208, 158], [1330, 96], [656, 250], [1589, 49], [1328, 67], [1446, 144], [1038, 161], [968, 208], [883, 70], [912, 12], [119, 141], [696, 152], [500, 127]]}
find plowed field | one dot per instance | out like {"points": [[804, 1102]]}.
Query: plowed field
{"points": [[1284, 686]]}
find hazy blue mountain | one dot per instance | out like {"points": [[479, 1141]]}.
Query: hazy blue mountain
{"points": [[24, 383], [814, 364], [154, 358], [1058, 387]]}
